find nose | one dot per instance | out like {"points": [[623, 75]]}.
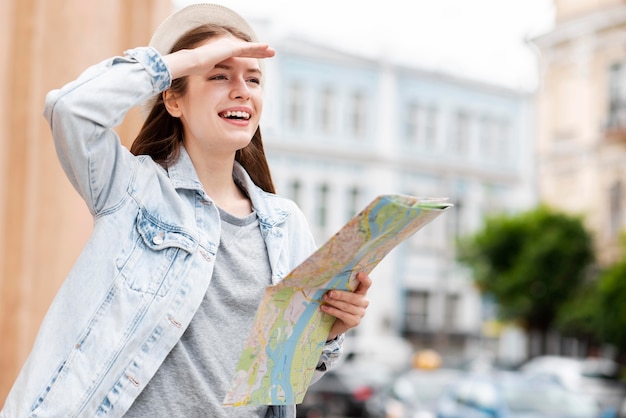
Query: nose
{"points": [[239, 89]]}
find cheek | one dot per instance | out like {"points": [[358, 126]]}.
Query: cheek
{"points": [[199, 109], [195, 125], [258, 103]]}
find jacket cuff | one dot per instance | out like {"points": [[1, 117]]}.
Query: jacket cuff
{"points": [[153, 62], [330, 353]]}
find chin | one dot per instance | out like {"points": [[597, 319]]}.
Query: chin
{"points": [[243, 144]]}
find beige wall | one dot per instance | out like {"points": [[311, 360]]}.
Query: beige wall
{"points": [[43, 223], [577, 161], [568, 9]]}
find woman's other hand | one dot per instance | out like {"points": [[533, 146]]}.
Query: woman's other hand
{"points": [[348, 307]]}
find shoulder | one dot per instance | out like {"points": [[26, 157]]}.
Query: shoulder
{"points": [[283, 202]]}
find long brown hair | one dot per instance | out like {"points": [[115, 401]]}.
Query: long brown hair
{"points": [[161, 135]]}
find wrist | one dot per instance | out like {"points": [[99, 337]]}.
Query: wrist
{"points": [[181, 63]]}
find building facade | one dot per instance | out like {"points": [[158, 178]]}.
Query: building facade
{"points": [[581, 149], [342, 129]]}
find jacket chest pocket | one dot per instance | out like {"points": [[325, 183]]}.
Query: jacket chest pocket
{"points": [[156, 256]]}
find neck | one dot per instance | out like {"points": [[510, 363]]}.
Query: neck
{"points": [[217, 180]]}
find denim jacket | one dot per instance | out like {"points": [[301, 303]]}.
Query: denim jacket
{"points": [[147, 265]]}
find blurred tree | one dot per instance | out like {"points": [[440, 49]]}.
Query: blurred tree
{"points": [[597, 314], [531, 263], [578, 317], [611, 318]]}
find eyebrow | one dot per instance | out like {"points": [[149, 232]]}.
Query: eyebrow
{"points": [[229, 67]]}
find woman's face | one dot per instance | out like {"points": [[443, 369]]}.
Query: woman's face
{"points": [[220, 110]]}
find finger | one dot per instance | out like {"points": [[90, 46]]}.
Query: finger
{"points": [[364, 283], [347, 320], [347, 301], [352, 298], [252, 50], [343, 308]]}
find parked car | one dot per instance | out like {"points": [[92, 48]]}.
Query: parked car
{"points": [[516, 395], [344, 390], [597, 377], [413, 394]]}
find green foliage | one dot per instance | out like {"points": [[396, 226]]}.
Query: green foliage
{"points": [[611, 319], [579, 315], [531, 263]]}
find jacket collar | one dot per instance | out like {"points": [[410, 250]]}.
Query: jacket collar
{"points": [[183, 176], [268, 211]]}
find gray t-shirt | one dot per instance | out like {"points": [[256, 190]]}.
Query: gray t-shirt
{"points": [[194, 378]]}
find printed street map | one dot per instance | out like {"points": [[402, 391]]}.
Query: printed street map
{"points": [[289, 331]]}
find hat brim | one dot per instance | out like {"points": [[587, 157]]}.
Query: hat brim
{"points": [[192, 16], [186, 19]]}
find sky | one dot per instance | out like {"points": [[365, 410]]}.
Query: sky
{"points": [[484, 40]]}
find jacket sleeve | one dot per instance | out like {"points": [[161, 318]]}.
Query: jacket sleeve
{"points": [[83, 113]]}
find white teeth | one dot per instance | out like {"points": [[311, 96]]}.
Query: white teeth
{"points": [[237, 114]]}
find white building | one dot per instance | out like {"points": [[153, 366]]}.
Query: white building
{"points": [[341, 129]]}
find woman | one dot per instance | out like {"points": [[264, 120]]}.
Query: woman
{"points": [[187, 235]]}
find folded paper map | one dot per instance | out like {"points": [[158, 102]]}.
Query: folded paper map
{"points": [[289, 331]]}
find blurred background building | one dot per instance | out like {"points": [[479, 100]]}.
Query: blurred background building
{"points": [[581, 137], [339, 129]]}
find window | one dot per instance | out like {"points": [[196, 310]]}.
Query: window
{"points": [[353, 202], [412, 123], [358, 114], [460, 134], [501, 146], [451, 311], [430, 128], [615, 208], [322, 206], [416, 310], [421, 126], [494, 139], [295, 191], [487, 136], [328, 109], [296, 106], [617, 97], [455, 221]]}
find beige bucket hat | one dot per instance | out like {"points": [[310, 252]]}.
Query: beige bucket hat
{"points": [[186, 19], [192, 16]]}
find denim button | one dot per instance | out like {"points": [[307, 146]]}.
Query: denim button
{"points": [[157, 240]]}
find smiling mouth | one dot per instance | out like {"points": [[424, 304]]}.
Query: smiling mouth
{"points": [[239, 115]]}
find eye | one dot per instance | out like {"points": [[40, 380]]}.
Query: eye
{"points": [[218, 77], [254, 80]]}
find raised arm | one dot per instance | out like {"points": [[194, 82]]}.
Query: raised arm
{"points": [[203, 59], [83, 113]]}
